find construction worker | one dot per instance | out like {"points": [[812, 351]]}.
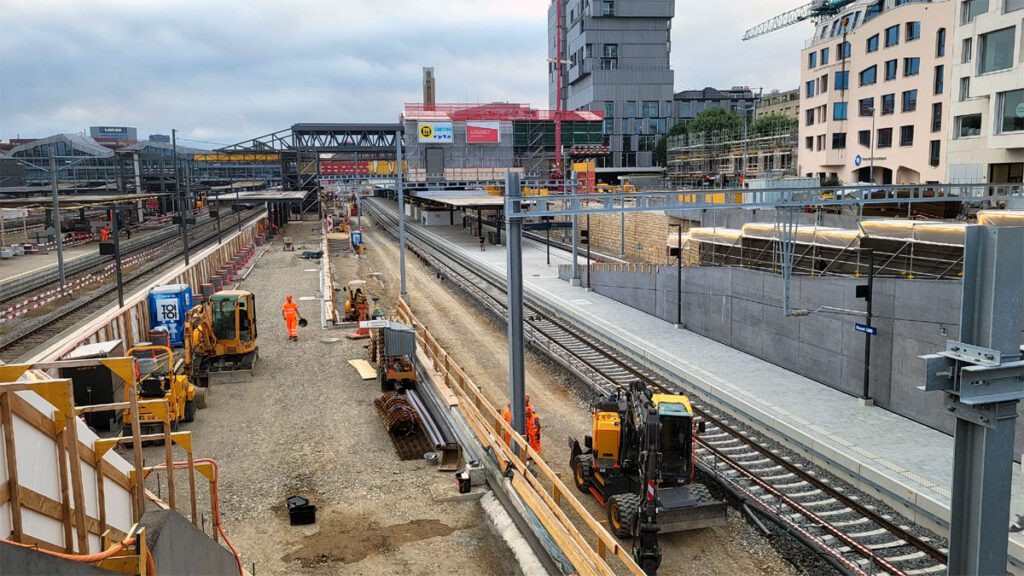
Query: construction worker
{"points": [[532, 427], [290, 313], [507, 415], [104, 234]]}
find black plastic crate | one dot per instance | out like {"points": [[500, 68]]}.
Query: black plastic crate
{"points": [[300, 511]]}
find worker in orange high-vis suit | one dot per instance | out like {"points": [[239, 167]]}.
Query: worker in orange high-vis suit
{"points": [[104, 234], [290, 313], [532, 427], [507, 415]]}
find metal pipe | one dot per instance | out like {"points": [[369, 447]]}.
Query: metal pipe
{"points": [[514, 268], [401, 210], [433, 432]]}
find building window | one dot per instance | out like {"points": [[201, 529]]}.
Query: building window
{"points": [[934, 152], [910, 100], [1013, 5], [867, 106], [995, 50], [965, 88], [892, 36], [864, 138], [872, 44], [888, 104], [809, 142], [907, 135], [821, 142], [1011, 111], [968, 126], [869, 76], [823, 84], [844, 50], [607, 8], [609, 109], [809, 117], [609, 64], [609, 126], [839, 111], [610, 51], [842, 80], [839, 140], [588, 51], [812, 59], [940, 42], [940, 79], [936, 116], [891, 69], [884, 138], [824, 56], [911, 66], [913, 31], [972, 9], [810, 89], [650, 109], [630, 110], [965, 56]]}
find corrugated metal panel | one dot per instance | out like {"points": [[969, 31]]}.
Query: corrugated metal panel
{"points": [[399, 340]]}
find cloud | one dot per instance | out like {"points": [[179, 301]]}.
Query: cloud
{"points": [[224, 71]]}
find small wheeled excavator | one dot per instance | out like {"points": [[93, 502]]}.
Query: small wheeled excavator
{"points": [[220, 338], [639, 464], [356, 305], [158, 377]]}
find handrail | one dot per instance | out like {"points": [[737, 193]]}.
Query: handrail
{"points": [[490, 428]]}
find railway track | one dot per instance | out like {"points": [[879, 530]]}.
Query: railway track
{"points": [[855, 534], [32, 332]]}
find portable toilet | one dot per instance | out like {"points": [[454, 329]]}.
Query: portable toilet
{"points": [[167, 308]]}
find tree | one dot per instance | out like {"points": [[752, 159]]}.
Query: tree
{"points": [[716, 120], [661, 149], [774, 123]]}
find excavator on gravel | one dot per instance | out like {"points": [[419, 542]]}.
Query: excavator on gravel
{"points": [[220, 338], [639, 464]]}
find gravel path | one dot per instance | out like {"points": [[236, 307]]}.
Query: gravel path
{"points": [[305, 425], [479, 345]]}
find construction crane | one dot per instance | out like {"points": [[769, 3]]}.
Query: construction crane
{"points": [[814, 9]]}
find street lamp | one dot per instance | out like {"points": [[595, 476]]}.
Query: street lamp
{"points": [[679, 274]]}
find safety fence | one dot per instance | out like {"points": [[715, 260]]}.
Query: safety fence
{"points": [[131, 322], [541, 490]]}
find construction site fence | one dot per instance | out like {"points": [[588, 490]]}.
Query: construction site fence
{"points": [[542, 491]]}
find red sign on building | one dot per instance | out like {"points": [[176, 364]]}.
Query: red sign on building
{"points": [[482, 132]]}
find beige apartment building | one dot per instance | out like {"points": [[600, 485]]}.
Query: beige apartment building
{"points": [[987, 97], [875, 83], [785, 103]]}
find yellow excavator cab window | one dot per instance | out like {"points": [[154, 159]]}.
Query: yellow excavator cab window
{"points": [[222, 309]]}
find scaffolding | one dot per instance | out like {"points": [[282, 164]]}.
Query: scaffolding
{"points": [[717, 158]]}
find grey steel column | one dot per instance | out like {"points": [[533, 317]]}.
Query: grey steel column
{"points": [[981, 375], [575, 243], [514, 269], [401, 208], [56, 216], [178, 193]]}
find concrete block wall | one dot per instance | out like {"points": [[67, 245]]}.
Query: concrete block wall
{"points": [[743, 309], [645, 234]]}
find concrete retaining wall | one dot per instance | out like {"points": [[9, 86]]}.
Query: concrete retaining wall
{"points": [[743, 309], [25, 561], [179, 548]]}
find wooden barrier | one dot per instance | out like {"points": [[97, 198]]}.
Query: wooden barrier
{"points": [[546, 502]]}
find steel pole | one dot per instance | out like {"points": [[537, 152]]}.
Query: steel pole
{"points": [[178, 192], [589, 239], [56, 217], [401, 209], [866, 394], [117, 253], [679, 277], [514, 268]]}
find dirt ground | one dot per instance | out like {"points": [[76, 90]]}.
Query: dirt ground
{"points": [[306, 425], [480, 347]]}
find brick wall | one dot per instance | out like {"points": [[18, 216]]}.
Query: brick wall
{"points": [[646, 234]]}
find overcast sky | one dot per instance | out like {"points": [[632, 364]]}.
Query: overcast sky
{"points": [[223, 71]]}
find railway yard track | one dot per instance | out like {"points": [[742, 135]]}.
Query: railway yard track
{"points": [[852, 531], [28, 333]]}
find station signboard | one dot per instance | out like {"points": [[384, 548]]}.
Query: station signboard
{"points": [[478, 132], [435, 132]]}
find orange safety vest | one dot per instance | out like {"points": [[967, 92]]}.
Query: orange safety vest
{"points": [[290, 309], [507, 415], [533, 430]]}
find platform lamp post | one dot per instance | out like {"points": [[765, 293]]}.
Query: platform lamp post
{"points": [[679, 274]]}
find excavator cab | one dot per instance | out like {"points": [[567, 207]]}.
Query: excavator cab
{"points": [[220, 338], [233, 318], [158, 377]]}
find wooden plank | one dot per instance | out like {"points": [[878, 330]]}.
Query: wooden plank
{"points": [[365, 369], [77, 489], [101, 497], [62, 465], [582, 564], [11, 454]]}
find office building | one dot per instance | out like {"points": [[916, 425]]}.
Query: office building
{"points": [[739, 100], [615, 58], [987, 93], [780, 103], [875, 84]]}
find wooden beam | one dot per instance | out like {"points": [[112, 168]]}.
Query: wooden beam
{"points": [[11, 455], [65, 498]]}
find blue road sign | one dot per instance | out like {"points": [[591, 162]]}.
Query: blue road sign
{"points": [[857, 161], [866, 329]]}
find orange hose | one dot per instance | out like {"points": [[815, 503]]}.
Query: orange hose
{"points": [[85, 558], [214, 497]]}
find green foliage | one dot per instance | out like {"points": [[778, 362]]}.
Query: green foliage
{"points": [[716, 120], [774, 123]]}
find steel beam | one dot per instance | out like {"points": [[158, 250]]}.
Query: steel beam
{"points": [[514, 266], [401, 210]]}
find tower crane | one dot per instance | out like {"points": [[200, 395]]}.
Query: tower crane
{"points": [[814, 9]]}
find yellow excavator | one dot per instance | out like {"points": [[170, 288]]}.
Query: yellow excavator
{"points": [[639, 464], [158, 377], [220, 338]]}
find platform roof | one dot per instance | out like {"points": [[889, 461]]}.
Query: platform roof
{"points": [[72, 201], [261, 196]]}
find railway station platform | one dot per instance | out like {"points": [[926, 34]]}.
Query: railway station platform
{"points": [[903, 463]]}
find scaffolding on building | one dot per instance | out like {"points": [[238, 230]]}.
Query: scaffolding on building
{"points": [[723, 158]]}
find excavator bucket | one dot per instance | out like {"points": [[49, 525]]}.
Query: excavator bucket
{"points": [[689, 507]]}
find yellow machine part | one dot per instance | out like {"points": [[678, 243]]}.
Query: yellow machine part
{"points": [[606, 435], [658, 399]]}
